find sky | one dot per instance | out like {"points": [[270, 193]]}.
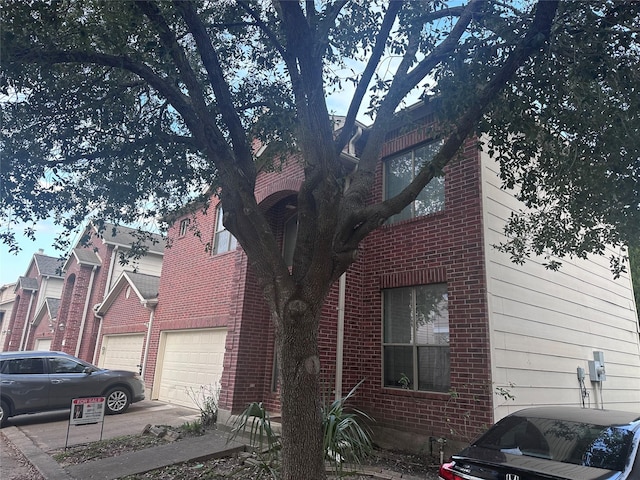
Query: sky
{"points": [[13, 266]]}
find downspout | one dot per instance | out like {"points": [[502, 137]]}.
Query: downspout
{"points": [[340, 334], [98, 339], [112, 262], [26, 321], [85, 310], [151, 306]]}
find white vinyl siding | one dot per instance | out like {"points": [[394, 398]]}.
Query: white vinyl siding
{"points": [[545, 324]]}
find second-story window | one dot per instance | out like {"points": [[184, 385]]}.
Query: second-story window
{"points": [[401, 169], [184, 226], [223, 241]]}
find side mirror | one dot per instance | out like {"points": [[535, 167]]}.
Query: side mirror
{"points": [[87, 370]]}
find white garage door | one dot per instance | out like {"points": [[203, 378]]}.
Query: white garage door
{"points": [[43, 344], [191, 359], [121, 352]]}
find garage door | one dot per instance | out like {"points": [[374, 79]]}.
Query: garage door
{"points": [[121, 352], [191, 359], [43, 344]]}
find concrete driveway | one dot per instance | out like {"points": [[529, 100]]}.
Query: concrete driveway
{"points": [[48, 431]]}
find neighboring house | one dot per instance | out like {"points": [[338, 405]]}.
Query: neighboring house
{"points": [[445, 332], [7, 298], [42, 281], [127, 315], [92, 271]]}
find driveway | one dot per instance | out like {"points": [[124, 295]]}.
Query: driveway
{"points": [[50, 431]]}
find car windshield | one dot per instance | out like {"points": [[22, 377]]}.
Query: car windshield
{"points": [[564, 441]]}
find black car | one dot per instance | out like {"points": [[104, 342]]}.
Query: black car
{"points": [[32, 382], [553, 443]]}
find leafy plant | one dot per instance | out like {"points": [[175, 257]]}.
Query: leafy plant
{"points": [[404, 381], [206, 399], [345, 438]]}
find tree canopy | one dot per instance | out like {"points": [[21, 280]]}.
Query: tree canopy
{"points": [[113, 110]]}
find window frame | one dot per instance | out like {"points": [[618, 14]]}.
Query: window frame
{"points": [[438, 181], [414, 342], [184, 227], [231, 242]]}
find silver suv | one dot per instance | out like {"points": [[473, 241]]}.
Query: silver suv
{"points": [[32, 382]]}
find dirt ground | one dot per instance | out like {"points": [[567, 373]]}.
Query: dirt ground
{"points": [[14, 465]]}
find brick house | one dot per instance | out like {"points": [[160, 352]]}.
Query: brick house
{"points": [[7, 298], [487, 336], [92, 270], [41, 284]]}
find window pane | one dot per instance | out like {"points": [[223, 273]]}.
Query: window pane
{"points": [[397, 316], [398, 363], [431, 198], [289, 241], [432, 315], [398, 174], [433, 368], [65, 365], [222, 241]]}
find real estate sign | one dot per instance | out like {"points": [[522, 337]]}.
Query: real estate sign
{"points": [[87, 410]]}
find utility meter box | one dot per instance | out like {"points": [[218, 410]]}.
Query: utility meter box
{"points": [[596, 368]]}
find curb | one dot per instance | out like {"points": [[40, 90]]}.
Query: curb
{"points": [[47, 466]]}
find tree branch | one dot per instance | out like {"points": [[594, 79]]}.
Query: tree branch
{"points": [[369, 218]]}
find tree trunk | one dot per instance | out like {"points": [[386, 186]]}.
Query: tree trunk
{"points": [[302, 436]]}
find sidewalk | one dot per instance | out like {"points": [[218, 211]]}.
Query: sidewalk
{"points": [[211, 445]]}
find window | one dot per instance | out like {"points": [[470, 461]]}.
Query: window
{"points": [[23, 366], [416, 338], [400, 170], [184, 227], [65, 365], [223, 241], [289, 241]]}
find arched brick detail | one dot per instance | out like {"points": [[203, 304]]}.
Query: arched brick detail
{"points": [[271, 194]]}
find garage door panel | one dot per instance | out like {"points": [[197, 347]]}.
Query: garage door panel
{"points": [[192, 359], [43, 344], [121, 352]]}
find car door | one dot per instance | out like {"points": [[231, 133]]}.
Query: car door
{"points": [[68, 379], [25, 381]]}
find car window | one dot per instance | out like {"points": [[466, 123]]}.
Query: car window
{"points": [[65, 365], [578, 443], [22, 366]]}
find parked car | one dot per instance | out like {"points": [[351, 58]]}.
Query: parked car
{"points": [[32, 382], [553, 443]]}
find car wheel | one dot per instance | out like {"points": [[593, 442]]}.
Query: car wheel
{"points": [[117, 400], [4, 413]]}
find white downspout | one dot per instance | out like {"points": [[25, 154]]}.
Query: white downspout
{"points": [[340, 334], [85, 310], [26, 322], [112, 262], [98, 339]]}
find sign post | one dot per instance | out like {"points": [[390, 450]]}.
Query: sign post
{"points": [[86, 411]]}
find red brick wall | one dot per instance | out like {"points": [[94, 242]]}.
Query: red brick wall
{"points": [[442, 247]]}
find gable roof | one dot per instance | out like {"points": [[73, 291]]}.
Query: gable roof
{"points": [[145, 287], [27, 283], [50, 306], [85, 256], [48, 266], [125, 237]]}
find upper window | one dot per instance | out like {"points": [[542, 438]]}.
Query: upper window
{"points": [[223, 241], [416, 338], [400, 170], [184, 227]]}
